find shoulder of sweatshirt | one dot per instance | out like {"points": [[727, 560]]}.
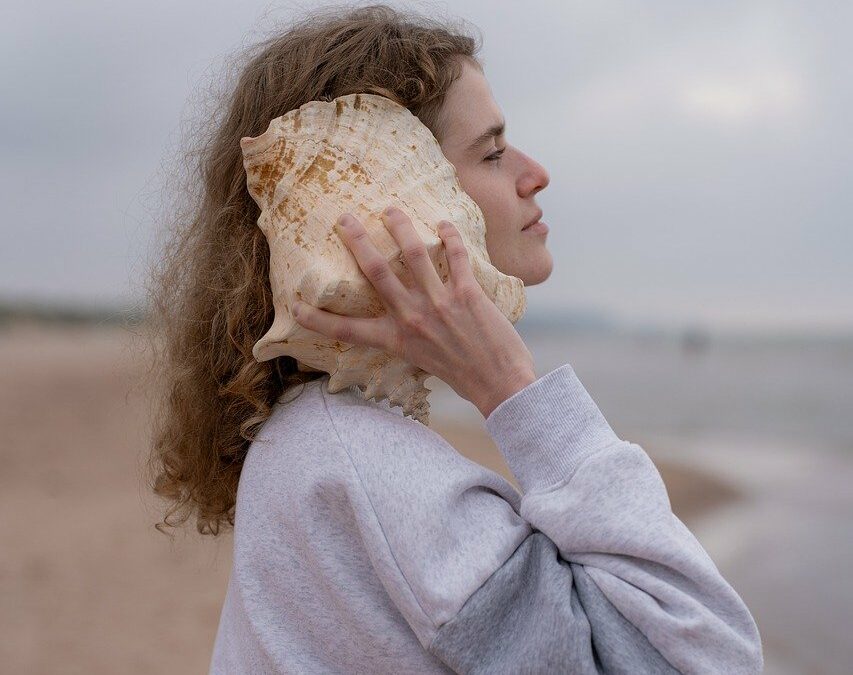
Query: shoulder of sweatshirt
{"points": [[587, 571]]}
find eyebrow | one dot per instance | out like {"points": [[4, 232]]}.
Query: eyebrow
{"points": [[494, 130]]}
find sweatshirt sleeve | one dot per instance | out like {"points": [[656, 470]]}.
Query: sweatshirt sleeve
{"points": [[587, 571]]}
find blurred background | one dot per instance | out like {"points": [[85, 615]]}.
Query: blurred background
{"points": [[700, 211]]}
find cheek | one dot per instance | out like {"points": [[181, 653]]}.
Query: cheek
{"points": [[493, 190], [499, 214], [493, 197]]}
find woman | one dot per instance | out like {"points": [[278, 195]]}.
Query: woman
{"points": [[364, 543]]}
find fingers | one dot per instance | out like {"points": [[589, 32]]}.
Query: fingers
{"points": [[375, 267], [352, 330], [461, 274], [414, 251]]}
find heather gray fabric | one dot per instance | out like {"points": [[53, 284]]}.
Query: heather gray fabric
{"points": [[364, 543], [528, 617]]}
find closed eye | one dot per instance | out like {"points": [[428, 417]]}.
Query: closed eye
{"points": [[495, 156]]}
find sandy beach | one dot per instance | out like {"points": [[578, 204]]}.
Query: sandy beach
{"points": [[89, 586]]}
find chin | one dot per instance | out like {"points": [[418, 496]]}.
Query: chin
{"points": [[532, 280], [537, 275], [531, 275]]}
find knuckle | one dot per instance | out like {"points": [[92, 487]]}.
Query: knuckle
{"points": [[377, 270], [458, 252], [344, 333], [415, 252], [443, 306], [468, 292], [359, 235]]}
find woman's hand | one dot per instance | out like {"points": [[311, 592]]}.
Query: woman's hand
{"points": [[451, 330]]}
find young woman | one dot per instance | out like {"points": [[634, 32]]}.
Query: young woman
{"points": [[363, 542]]}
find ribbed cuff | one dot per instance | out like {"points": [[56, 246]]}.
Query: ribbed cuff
{"points": [[545, 430]]}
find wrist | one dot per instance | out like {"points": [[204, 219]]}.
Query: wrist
{"points": [[506, 389]]}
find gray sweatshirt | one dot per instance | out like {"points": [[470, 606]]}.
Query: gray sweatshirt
{"points": [[365, 543]]}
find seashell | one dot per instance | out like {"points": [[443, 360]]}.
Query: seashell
{"points": [[358, 153]]}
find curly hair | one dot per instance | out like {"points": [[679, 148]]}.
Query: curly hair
{"points": [[208, 293]]}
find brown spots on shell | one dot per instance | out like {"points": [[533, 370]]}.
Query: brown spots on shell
{"points": [[375, 308], [356, 168], [299, 240], [297, 122], [339, 107], [356, 103], [283, 211], [413, 147], [325, 162], [318, 171], [264, 177], [356, 174]]}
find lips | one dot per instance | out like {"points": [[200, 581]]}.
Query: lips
{"points": [[534, 221]]}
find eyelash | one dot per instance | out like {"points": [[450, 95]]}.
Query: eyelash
{"points": [[495, 156]]}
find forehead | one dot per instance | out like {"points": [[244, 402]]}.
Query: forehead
{"points": [[469, 109]]}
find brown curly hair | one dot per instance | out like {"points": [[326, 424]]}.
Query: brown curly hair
{"points": [[208, 293]]}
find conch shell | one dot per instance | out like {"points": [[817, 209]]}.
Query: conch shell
{"points": [[358, 153]]}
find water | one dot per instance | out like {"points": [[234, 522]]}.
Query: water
{"points": [[772, 418], [798, 390]]}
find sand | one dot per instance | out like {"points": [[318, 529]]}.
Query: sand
{"points": [[87, 584]]}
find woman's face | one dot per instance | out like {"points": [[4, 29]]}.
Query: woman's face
{"points": [[503, 185]]}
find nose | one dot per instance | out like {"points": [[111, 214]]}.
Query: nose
{"points": [[533, 178]]}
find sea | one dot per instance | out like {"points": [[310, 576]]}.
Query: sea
{"points": [[694, 382]]}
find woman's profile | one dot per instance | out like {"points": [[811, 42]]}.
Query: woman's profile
{"points": [[363, 541]]}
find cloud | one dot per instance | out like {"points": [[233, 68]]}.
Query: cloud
{"points": [[749, 99], [699, 154]]}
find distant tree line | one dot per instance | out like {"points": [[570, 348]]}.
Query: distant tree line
{"points": [[12, 311]]}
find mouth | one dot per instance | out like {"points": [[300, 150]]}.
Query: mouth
{"points": [[534, 221]]}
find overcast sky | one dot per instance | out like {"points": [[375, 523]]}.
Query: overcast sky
{"points": [[700, 154]]}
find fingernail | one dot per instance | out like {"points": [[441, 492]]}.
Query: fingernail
{"points": [[392, 211], [295, 309], [444, 225], [345, 220]]}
